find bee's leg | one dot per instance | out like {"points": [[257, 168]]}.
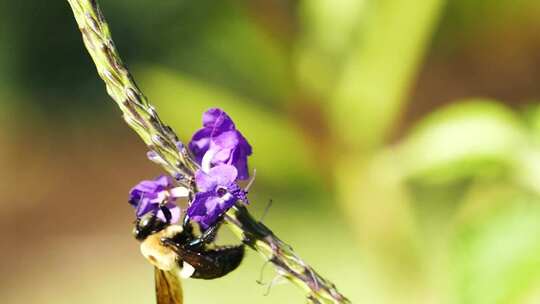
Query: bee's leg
{"points": [[166, 213], [168, 242], [185, 223], [206, 237], [187, 226]]}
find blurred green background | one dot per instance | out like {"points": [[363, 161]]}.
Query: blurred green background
{"points": [[399, 141]]}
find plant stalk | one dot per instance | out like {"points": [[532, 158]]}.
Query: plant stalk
{"points": [[142, 117]]}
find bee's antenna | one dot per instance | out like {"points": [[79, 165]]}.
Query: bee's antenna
{"points": [[266, 209]]}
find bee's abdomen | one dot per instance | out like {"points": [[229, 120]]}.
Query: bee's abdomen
{"points": [[219, 262]]}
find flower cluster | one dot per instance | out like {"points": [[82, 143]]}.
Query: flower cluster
{"points": [[218, 143], [221, 152], [150, 195]]}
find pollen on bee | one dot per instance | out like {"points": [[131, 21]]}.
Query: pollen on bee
{"points": [[187, 270], [158, 255]]}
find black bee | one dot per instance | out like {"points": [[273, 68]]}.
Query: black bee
{"points": [[177, 244], [177, 253]]}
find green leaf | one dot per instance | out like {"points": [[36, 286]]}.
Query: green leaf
{"points": [[465, 139], [329, 29], [533, 119], [496, 247], [236, 48], [379, 69]]}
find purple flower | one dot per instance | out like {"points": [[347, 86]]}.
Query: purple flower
{"points": [[218, 193], [147, 196], [218, 143]]}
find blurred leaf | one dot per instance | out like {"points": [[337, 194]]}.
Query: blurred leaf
{"points": [[469, 138], [379, 69], [329, 28], [7, 56], [331, 23], [527, 171], [533, 296], [378, 208], [235, 52], [6, 106], [215, 41], [461, 18], [280, 154], [496, 247], [533, 119]]}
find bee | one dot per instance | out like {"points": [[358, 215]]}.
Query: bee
{"points": [[176, 252]]}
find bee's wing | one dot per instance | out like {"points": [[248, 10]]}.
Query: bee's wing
{"points": [[168, 287]]}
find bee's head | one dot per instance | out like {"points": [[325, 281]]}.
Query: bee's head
{"points": [[146, 225]]}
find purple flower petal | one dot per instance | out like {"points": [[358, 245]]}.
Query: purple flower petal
{"points": [[239, 157], [148, 195], [200, 143], [224, 174], [226, 140], [198, 206], [205, 182], [217, 119], [221, 155], [218, 143], [144, 207], [218, 193], [207, 207]]}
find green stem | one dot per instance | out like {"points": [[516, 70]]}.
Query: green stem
{"points": [[287, 263], [160, 138]]}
